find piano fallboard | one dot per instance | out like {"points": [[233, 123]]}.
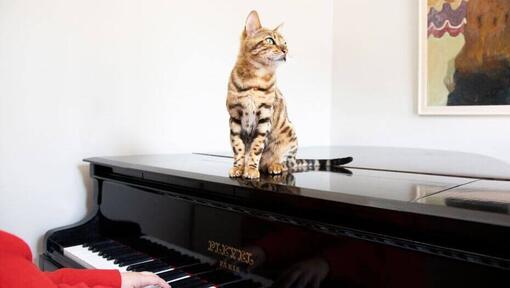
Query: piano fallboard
{"points": [[355, 228]]}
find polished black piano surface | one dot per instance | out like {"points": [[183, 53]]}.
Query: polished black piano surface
{"points": [[393, 217]]}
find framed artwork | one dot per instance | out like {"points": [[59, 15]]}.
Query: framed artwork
{"points": [[464, 57]]}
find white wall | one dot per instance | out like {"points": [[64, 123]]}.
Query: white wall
{"points": [[375, 64], [91, 78]]}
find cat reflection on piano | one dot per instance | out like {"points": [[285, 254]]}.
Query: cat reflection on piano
{"points": [[286, 182]]}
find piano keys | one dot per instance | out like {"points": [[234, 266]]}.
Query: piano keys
{"points": [[174, 265], [181, 217]]}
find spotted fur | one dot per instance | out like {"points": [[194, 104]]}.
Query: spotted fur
{"points": [[261, 134]]}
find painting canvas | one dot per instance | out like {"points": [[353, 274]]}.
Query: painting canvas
{"points": [[464, 57]]}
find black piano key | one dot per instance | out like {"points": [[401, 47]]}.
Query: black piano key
{"points": [[113, 254], [103, 246], [188, 282], [149, 267], [169, 252], [128, 255], [125, 261], [95, 247], [172, 275], [98, 241], [206, 285], [152, 266], [156, 269], [112, 250], [180, 261], [102, 250], [242, 284], [135, 261], [148, 247], [196, 284], [156, 250], [219, 276], [199, 268], [175, 255]]}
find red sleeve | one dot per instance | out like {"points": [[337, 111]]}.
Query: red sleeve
{"points": [[13, 245], [89, 277], [17, 270]]}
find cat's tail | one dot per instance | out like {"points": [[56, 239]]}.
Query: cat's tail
{"points": [[317, 163]]}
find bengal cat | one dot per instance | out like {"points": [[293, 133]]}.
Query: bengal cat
{"points": [[261, 135]]}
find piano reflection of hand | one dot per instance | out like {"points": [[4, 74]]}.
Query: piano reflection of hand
{"points": [[305, 259], [257, 254], [307, 273]]}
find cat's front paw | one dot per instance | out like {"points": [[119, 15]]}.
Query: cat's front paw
{"points": [[276, 169], [251, 173], [235, 172]]}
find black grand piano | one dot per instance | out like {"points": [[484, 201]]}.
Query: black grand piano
{"points": [[391, 218]]}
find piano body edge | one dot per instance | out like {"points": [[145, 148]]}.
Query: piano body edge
{"points": [[252, 208]]}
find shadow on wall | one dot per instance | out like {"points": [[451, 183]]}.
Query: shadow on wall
{"points": [[123, 136], [87, 182], [89, 201]]}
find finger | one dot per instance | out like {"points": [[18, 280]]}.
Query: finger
{"points": [[162, 283], [303, 280], [282, 279], [290, 279], [316, 282], [159, 282], [153, 279]]}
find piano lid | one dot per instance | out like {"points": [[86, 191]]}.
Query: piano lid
{"points": [[377, 185], [413, 160]]}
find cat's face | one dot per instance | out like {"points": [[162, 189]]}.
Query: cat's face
{"points": [[263, 45]]}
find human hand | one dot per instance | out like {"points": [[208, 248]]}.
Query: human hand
{"points": [[257, 255], [141, 280], [308, 273]]}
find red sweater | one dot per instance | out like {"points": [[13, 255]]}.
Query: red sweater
{"points": [[17, 270]]}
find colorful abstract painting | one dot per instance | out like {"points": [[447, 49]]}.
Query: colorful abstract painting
{"points": [[465, 57]]}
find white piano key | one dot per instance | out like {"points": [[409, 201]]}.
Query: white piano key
{"points": [[88, 259], [206, 259], [177, 279], [163, 271]]}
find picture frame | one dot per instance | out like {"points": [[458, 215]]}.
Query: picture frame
{"points": [[430, 101]]}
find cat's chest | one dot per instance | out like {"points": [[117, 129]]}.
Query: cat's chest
{"points": [[249, 117], [252, 111]]}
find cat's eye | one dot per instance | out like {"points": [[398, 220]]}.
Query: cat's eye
{"points": [[270, 40]]}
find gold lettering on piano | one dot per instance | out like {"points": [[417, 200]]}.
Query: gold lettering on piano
{"points": [[229, 266], [230, 252]]}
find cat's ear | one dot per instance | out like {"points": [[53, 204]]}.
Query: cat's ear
{"points": [[252, 23], [278, 28]]}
